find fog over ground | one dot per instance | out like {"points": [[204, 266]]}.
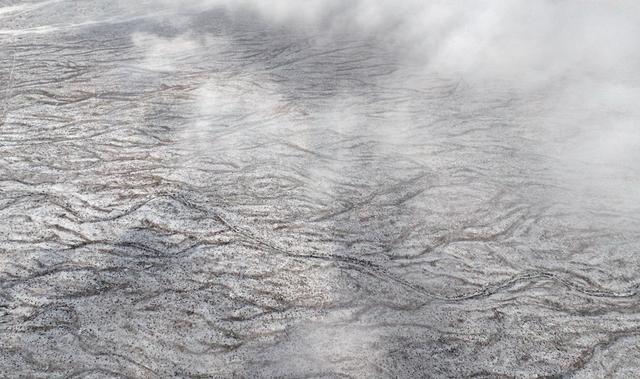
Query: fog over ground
{"points": [[319, 188]]}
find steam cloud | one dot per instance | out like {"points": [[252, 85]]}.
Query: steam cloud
{"points": [[580, 56], [486, 40]]}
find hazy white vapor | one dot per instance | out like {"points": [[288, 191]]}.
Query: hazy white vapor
{"points": [[532, 40], [582, 55]]}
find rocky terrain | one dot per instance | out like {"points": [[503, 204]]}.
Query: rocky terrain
{"points": [[189, 192]]}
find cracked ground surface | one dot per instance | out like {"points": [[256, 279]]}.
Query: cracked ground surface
{"points": [[194, 193]]}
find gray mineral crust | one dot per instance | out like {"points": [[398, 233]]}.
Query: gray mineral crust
{"points": [[319, 189]]}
